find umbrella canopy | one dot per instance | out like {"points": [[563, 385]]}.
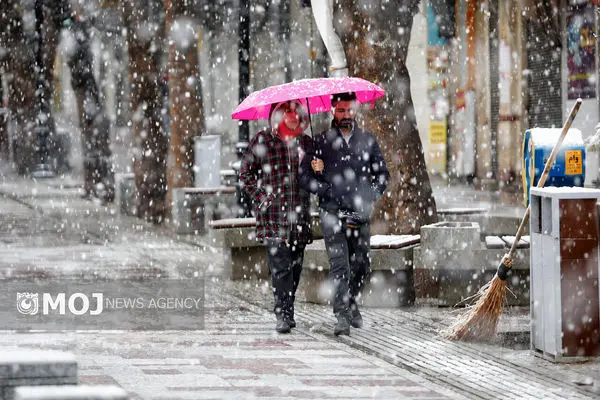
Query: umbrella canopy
{"points": [[316, 91]]}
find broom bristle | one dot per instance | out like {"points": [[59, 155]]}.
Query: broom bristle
{"points": [[480, 320]]}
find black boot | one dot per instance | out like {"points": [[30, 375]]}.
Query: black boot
{"points": [[282, 325], [343, 326], [291, 321], [355, 318]]}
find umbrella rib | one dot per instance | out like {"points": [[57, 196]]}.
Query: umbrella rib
{"points": [[309, 118]]}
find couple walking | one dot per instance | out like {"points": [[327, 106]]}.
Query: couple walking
{"points": [[344, 167]]}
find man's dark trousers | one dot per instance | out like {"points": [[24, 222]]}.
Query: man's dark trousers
{"points": [[348, 252], [285, 263]]}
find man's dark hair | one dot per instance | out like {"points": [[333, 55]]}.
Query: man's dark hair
{"points": [[336, 98]]}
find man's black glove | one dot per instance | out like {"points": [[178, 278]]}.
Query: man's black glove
{"points": [[355, 220]]}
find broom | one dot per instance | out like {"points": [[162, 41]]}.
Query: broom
{"points": [[480, 320]]}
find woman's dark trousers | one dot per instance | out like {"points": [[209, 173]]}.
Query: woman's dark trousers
{"points": [[285, 263]]}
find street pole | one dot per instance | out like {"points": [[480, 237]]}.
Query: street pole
{"points": [[244, 84], [4, 150], [42, 129], [285, 34], [244, 64]]}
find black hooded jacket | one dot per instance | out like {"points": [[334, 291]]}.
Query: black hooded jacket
{"points": [[355, 173]]}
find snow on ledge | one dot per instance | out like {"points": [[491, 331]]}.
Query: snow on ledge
{"points": [[35, 357], [67, 392], [394, 241]]}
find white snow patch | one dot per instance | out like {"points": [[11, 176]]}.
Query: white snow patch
{"points": [[34, 357], [67, 392], [549, 136]]}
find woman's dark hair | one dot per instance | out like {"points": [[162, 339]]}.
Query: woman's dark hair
{"points": [[272, 110], [336, 98]]}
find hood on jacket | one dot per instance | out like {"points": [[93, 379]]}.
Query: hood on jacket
{"points": [[276, 115]]}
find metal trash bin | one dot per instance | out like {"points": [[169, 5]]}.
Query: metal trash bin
{"points": [[569, 167], [207, 163], [565, 300]]}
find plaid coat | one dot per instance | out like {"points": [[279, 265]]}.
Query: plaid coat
{"points": [[269, 173]]}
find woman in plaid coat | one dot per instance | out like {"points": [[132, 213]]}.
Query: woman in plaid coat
{"points": [[269, 173]]}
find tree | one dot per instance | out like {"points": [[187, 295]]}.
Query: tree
{"points": [[185, 99], [98, 170], [150, 141], [30, 90], [5, 22], [376, 36], [19, 40]]}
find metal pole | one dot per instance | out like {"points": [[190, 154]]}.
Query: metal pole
{"points": [[285, 33], [244, 84], [244, 63], [4, 150]]}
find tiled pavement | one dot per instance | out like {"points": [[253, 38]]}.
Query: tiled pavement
{"points": [[48, 231], [237, 356]]}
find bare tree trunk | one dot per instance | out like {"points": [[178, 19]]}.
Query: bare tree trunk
{"points": [[376, 35], [95, 127], [19, 40], [185, 102], [149, 139], [5, 22]]}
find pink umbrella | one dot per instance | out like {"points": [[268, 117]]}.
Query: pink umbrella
{"points": [[316, 91]]}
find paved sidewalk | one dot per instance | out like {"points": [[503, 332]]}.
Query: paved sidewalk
{"points": [[46, 230]]}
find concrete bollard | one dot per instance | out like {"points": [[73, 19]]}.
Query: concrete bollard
{"points": [[193, 208], [126, 193], [444, 266], [451, 235]]}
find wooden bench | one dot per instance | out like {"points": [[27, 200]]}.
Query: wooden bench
{"points": [[390, 284], [247, 257], [391, 280], [35, 368], [127, 197], [505, 242], [193, 207], [228, 177], [444, 213]]}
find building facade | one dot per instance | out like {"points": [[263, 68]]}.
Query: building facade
{"points": [[512, 65]]}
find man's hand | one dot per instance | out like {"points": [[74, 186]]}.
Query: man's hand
{"points": [[317, 165]]}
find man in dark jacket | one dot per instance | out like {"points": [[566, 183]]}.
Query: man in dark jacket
{"points": [[348, 173], [269, 172]]}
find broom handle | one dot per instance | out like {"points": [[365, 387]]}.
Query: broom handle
{"points": [[545, 173]]}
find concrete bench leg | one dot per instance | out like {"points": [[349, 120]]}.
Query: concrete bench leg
{"points": [[387, 288], [249, 263]]}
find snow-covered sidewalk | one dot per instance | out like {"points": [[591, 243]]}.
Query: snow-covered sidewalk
{"points": [[47, 230]]}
